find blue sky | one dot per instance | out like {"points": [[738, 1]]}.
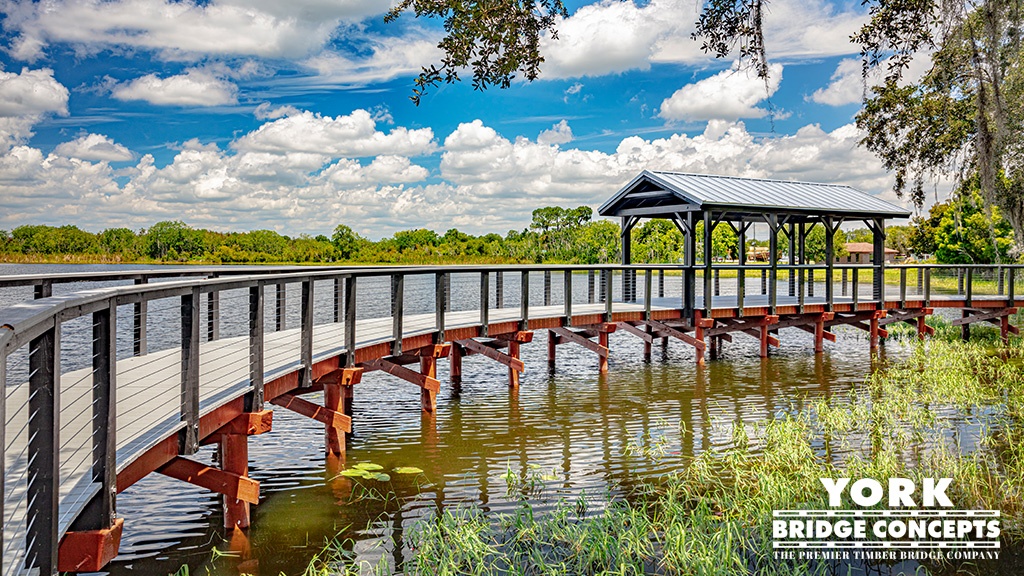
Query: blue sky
{"points": [[245, 114]]}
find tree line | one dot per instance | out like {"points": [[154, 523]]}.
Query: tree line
{"points": [[958, 231]]}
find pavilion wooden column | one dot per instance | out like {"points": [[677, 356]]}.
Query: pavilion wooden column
{"points": [[628, 276]]}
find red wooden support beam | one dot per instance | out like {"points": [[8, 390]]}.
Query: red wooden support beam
{"points": [[570, 336], [521, 336], [248, 424], [404, 373], [500, 357], [334, 437], [318, 413], [455, 364], [602, 342], [553, 342], [695, 342], [647, 337], [89, 550], [234, 454], [219, 481], [513, 351], [428, 368]]}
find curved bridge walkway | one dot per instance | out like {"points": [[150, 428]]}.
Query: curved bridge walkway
{"points": [[88, 409]]}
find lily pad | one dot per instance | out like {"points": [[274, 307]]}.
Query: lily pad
{"points": [[408, 470], [381, 477], [369, 466], [354, 473]]}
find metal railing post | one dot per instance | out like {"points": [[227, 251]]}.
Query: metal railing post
{"points": [[524, 301], [567, 297], [855, 285], [43, 471], [1010, 289], [141, 310], [927, 286], [970, 285], [350, 320], [189, 440], [256, 303], [439, 305], [397, 311], [903, 287], [306, 334], [648, 277], [100, 513], [485, 302]]}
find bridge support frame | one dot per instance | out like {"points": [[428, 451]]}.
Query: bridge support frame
{"points": [[491, 348], [426, 378], [581, 335]]}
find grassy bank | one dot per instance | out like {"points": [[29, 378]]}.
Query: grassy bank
{"points": [[908, 420]]}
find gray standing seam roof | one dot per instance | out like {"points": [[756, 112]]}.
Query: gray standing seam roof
{"points": [[751, 194]]}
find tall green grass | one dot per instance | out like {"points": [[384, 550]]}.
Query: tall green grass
{"points": [[714, 517]]}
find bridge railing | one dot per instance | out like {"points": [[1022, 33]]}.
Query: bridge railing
{"points": [[85, 394]]}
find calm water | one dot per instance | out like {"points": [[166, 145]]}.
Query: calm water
{"points": [[571, 428]]}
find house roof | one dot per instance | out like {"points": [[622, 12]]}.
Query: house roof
{"points": [[660, 194], [864, 248]]}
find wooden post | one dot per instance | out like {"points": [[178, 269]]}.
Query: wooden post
{"points": [[741, 274], [1004, 329], [874, 331], [455, 364], [647, 344], [428, 397], [819, 334], [764, 340], [513, 374], [965, 328], [602, 340], [922, 327], [552, 346], [234, 454], [698, 334]]}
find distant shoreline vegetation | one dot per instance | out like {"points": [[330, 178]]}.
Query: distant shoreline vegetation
{"points": [[956, 232]]}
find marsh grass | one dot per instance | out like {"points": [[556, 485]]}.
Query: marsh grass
{"points": [[950, 409]]}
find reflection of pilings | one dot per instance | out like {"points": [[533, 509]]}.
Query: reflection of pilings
{"points": [[700, 390]]}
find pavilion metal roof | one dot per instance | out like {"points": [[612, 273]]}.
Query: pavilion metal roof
{"points": [[657, 194]]}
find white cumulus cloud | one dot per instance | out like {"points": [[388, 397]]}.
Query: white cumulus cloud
{"points": [[185, 29], [195, 87], [729, 95], [560, 133], [355, 135], [95, 147]]}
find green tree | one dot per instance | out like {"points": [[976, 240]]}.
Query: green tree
{"points": [[347, 242], [964, 117], [814, 244], [963, 235], [657, 240], [495, 40], [173, 240], [118, 241]]}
